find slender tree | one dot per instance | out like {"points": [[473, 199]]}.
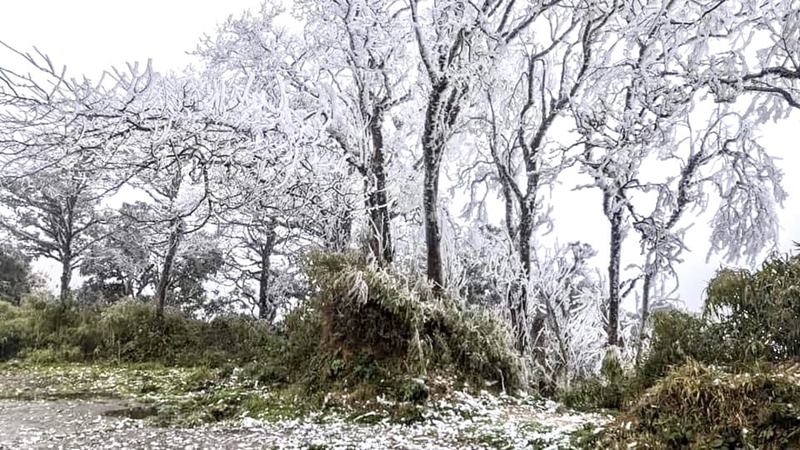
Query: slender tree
{"points": [[456, 43]]}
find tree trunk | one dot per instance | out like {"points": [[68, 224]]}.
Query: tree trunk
{"points": [[433, 236], [66, 278], [520, 319], [648, 276], [377, 198], [166, 271], [266, 310], [615, 219], [129, 291], [438, 116], [340, 230]]}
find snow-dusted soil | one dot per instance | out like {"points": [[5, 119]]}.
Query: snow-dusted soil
{"points": [[84, 424], [40, 419]]}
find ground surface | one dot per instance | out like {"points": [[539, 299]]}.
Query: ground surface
{"points": [[88, 408]]}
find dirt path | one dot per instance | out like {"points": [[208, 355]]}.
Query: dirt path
{"points": [[81, 408], [83, 424]]}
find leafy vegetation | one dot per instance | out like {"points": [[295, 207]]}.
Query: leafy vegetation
{"points": [[364, 334], [375, 347], [697, 406], [606, 392], [760, 311], [129, 331], [726, 379], [16, 277], [374, 324]]}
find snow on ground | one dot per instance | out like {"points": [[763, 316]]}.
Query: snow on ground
{"points": [[470, 423], [90, 408]]}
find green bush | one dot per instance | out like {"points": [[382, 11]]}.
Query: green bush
{"points": [[11, 330], [698, 406], [372, 323], [50, 355], [749, 318], [677, 338], [760, 311], [132, 332], [129, 331], [477, 342], [610, 390], [363, 328], [720, 380]]}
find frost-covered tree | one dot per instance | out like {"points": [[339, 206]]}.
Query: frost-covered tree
{"points": [[126, 262], [525, 156], [570, 294], [53, 214], [55, 139], [627, 113], [191, 137], [359, 51], [347, 72], [458, 43], [121, 265], [266, 239], [724, 164], [674, 55]]}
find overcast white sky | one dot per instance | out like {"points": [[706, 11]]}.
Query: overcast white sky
{"points": [[90, 35]]}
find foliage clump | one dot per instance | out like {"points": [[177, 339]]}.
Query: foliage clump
{"points": [[129, 331], [759, 310], [16, 276], [679, 337], [373, 323], [608, 391], [749, 318], [361, 332], [699, 406]]}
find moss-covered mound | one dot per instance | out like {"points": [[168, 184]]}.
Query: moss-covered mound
{"points": [[374, 323], [697, 406]]}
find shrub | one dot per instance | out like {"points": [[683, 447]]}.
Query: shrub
{"points": [[372, 322], [698, 406], [478, 343], [132, 332], [16, 277], [363, 328], [761, 310], [11, 326], [299, 356], [50, 355], [608, 391], [677, 338], [47, 331], [748, 318]]}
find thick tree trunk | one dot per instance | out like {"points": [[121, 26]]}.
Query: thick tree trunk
{"points": [[377, 198], [432, 148], [266, 310], [440, 116], [166, 272], [66, 278], [433, 236], [129, 291], [615, 248], [520, 319], [341, 230]]}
